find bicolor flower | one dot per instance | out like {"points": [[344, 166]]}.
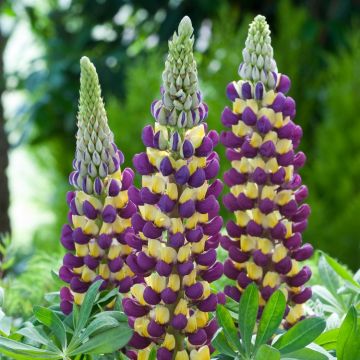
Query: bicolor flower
{"points": [[266, 195], [100, 211], [177, 224]]}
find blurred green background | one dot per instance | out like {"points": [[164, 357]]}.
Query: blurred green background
{"points": [[317, 43]]}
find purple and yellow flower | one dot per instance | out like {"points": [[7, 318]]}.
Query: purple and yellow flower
{"points": [[100, 210], [177, 224], [266, 195]]}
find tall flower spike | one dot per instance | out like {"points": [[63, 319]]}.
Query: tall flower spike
{"points": [[258, 62], [181, 104], [266, 196], [177, 225], [100, 212]]}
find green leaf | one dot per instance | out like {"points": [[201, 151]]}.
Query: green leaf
{"points": [[5, 325], [2, 296], [50, 319], [118, 315], [328, 339], [248, 310], [305, 354], [329, 278], [326, 297], [19, 351], [75, 315], [223, 357], [300, 335], [152, 355], [221, 344], [32, 333], [266, 352], [108, 296], [271, 318], [98, 325], [348, 347], [86, 307], [106, 342], [226, 322], [341, 270]]}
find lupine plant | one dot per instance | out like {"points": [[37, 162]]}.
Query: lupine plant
{"points": [[100, 211], [266, 196], [176, 228], [157, 245]]}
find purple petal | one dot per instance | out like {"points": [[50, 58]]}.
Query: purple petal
{"points": [[147, 136], [142, 164]]}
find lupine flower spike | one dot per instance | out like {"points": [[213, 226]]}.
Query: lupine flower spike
{"points": [[100, 212], [266, 196], [177, 225]]}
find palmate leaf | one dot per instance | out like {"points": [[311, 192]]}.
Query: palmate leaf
{"points": [[97, 326], [248, 310], [105, 342], [32, 333], [271, 318], [50, 319], [300, 335]]}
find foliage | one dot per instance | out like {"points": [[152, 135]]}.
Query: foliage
{"points": [[86, 333], [130, 73], [295, 343], [321, 60], [336, 292], [343, 340], [5, 321], [6, 254], [336, 196], [19, 287]]}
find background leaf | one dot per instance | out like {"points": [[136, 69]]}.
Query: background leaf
{"points": [[348, 344], [328, 339], [341, 270]]}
